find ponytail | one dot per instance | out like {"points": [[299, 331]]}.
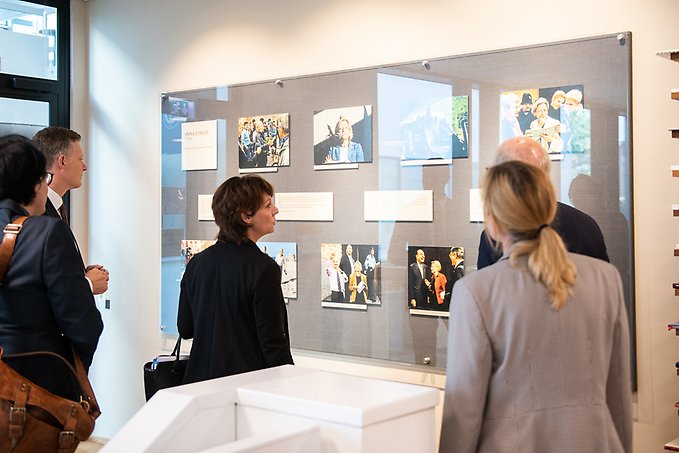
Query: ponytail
{"points": [[548, 263]]}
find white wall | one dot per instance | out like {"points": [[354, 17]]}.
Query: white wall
{"points": [[137, 49]]}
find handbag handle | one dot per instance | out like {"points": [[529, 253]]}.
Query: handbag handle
{"points": [[177, 351], [86, 393], [9, 237]]}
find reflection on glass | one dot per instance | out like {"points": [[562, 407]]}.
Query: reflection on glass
{"points": [[28, 40], [19, 116], [420, 120]]}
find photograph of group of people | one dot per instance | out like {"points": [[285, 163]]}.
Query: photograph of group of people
{"points": [[350, 274], [264, 141], [191, 247], [343, 135], [421, 120], [432, 273], [555, 117], [285, 255]]}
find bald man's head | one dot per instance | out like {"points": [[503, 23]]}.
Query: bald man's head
{"points": [[523, 149]]}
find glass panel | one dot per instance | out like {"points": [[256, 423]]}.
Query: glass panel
{"points": [[28, 43], [423, 127], [179, 219], [19, 116]]}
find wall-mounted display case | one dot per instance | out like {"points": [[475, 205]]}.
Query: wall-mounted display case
{"points": [[377, 173]]}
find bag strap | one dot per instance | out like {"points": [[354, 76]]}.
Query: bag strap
{"points": [[177, 348], [86, 392], [9, 237]]}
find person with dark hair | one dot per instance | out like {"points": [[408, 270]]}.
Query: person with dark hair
{"points": [[538, 346], [45, 300], [231, 302], [64, 154], [525, 115]]}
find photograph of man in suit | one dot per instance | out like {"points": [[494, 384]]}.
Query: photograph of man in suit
{"points": [[65, 160], [454, 272], [336, 279], [419, 278], [347, 265]]}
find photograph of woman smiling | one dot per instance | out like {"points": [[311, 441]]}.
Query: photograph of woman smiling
{"points": [[231, 302]]}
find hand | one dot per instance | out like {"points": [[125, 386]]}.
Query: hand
{"points": [[99, 278]]}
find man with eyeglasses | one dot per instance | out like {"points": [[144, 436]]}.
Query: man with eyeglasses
{"points": [[65, 166]]}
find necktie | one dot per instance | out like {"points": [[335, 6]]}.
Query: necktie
{"points": [[63, 213]]}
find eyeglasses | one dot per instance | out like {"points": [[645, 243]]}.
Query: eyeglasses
{"points": [[48, 177]]}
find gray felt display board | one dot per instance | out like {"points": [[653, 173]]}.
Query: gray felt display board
{"points": [[599, 67]]}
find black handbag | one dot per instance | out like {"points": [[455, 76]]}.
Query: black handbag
{"points": [[161, 373]]}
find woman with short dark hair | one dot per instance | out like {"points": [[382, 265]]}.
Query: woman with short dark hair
{"points": [[45, 301], [231, 302]]}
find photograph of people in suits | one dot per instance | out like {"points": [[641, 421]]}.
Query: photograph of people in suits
{"points": [[350, 274], [285, 255], [264, 141], [343, 136], [431, 276]]}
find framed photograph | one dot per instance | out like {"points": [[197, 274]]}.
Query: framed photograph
{"points": [[285, 255], [343, 136], [432, 273], [350, 276], [263, 142], [555, 117]]}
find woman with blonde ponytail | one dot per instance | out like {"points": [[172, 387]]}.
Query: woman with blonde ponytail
{"points": [[538, 349]]}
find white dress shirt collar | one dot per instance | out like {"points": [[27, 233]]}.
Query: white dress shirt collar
{"points": [[54, 197]]}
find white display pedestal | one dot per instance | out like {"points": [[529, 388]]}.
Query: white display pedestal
{"points": [[284, 409]]}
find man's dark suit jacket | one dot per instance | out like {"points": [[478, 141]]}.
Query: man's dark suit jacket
{"points": [[579, 231], [45, 302], [417, 288], [348, 269], [231, 304], [50, 210]]}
